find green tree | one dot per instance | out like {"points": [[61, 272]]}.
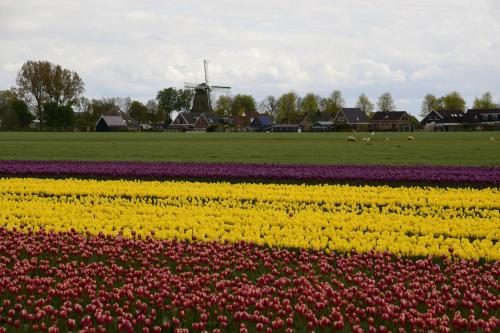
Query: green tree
{"points": [[452, 101], [385, 103], [22, 112], [105, 106], [324, 105], [40, 82], [154, 114], [429, 104], [485, 102], [14, 113], [309, 104], [171, 99], [139, 112], [184, 100], [58, 116], [6, 97], [287, 108], [223, 105], [365, 104], [167, 102], [243, 104]]}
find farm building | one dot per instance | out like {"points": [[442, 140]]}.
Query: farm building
{"points": [[351, 118], [115, 124], [443, 120], [391, 121]]}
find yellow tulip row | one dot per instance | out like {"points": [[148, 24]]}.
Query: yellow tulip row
{"points": [[409, 221]]}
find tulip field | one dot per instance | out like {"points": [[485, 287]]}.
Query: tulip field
{"points": [[229, 247]]}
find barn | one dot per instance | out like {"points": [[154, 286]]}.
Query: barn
{"points": [[111, 124]]}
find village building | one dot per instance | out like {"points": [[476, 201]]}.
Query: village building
{"points": [[209, 122], [287, 128], [261, 123], [482, 119], [157, 126], [184, 121], [443, 120], [391, 121], [351, 119], [318, 122]]}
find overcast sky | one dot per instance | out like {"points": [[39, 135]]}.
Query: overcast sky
{"points": [[134, 48]]}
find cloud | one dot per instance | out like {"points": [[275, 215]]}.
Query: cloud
{"points": [[428, 72], [134, 48]]}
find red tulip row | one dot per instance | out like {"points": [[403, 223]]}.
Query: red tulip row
{"points": [[69, 282]]}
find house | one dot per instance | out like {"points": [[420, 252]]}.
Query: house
{"points": [[157, 126], [287, 128], [261, 123], [351, 118], [209, 122], [391, 121], [184, 121], [443, 120], [111, 124], [145, 126], [482, 119], [239, 123], [318, 122]]}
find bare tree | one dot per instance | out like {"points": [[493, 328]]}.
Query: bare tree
{"points": [[429, 104], [337, 100], [386, 103], [269, 106]]}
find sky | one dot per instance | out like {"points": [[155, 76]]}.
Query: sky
{"points": [[135, 48]]}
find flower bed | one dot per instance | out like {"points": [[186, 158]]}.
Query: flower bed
{"points": [[407, 221], [170, 170], [68, 281], [129, 246]]}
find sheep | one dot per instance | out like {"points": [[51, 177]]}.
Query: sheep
{"points": [[492, 139], [351, 139], [411, 138], [386, 139]]}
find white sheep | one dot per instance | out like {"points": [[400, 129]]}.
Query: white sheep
{"points": [[411, 138], [351, 139], [492, 139]]}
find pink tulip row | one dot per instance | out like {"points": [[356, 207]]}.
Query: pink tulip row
{"points": [[55, 282]]}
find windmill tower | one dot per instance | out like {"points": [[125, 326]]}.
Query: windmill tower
{"points": [[202, 100]]}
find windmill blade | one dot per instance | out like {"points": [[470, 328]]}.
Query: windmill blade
{"points": [[205, 65], [190, 85], [221, 88]]}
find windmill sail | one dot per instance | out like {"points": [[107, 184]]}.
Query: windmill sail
{"points": [[202, 92]]}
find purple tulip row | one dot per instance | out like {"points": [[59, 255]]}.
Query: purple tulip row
{"points": [[172, 170]]}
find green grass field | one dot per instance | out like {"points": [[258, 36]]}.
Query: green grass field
{"points": [[318, 148]]}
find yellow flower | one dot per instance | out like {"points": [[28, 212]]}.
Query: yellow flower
{"points": [[409, 221]]}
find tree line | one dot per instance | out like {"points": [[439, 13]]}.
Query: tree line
{"points": [[53, 96]]}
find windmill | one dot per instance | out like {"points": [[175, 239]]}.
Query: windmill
{"points": [[202, 100]]}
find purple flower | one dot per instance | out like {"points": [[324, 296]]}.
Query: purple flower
{"points": [[238, 171]]}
